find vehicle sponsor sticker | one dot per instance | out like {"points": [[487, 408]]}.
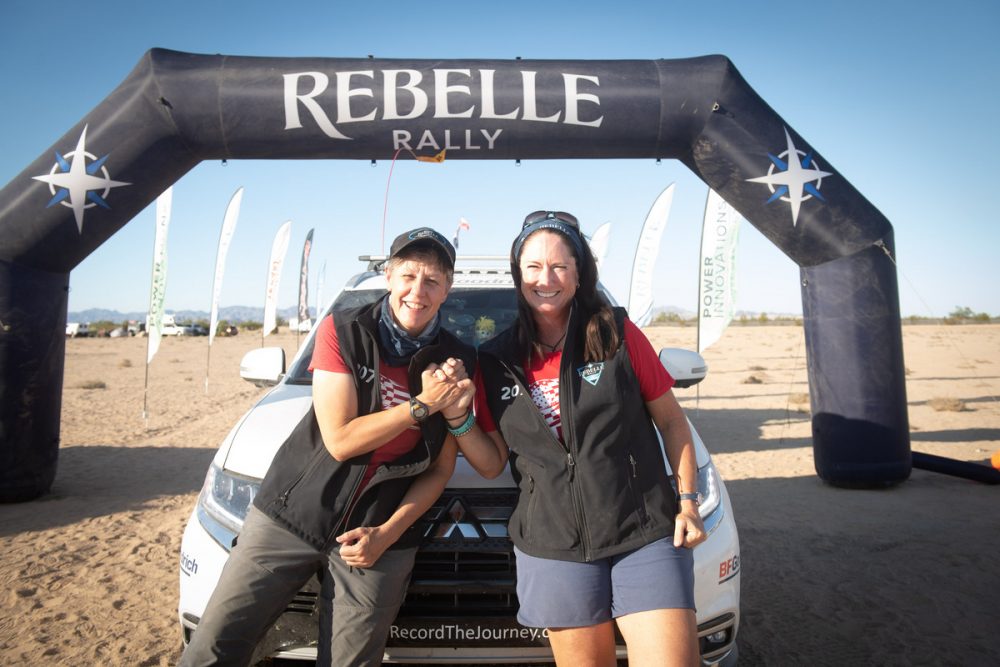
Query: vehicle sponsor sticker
{"points": [[729, 568], [498, 631], [189, 564]]}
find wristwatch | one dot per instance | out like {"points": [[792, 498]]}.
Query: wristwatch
{"points": [[696, 497], [419, 410]]}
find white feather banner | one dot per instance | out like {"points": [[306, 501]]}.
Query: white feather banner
{"points": [[228, 228], [717, 269], [158, 285], [599, 244], [278, 250], [640, 297]]}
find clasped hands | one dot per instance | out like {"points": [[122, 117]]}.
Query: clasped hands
{"points": [[447, 388]]}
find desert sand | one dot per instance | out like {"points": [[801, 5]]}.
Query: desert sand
{"points": [[907, 575]]}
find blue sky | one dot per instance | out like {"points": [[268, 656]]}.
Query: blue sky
{"points": [[899, 97]]}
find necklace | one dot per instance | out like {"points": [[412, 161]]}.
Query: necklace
{"points": [[552, 348]]}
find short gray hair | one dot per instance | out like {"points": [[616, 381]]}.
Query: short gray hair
{"points": [[425, 255]]}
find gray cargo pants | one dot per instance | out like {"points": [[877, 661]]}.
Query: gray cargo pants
{"points": [[267, 568]]}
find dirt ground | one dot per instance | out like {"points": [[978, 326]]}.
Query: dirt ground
{"points": [[901, 576]]}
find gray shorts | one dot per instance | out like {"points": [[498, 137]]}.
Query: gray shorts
{"points": [[564, 594]]}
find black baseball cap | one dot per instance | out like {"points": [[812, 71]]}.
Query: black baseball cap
{"points": [[425, 237]]}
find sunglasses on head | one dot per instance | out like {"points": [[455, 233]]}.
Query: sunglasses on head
{"points": [[561, 216]]}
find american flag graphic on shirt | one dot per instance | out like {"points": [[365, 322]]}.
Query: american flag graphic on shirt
{"points": [[393, 393], [545, 395]]}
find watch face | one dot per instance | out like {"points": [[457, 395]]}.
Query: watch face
{"points": [[418, 410]]}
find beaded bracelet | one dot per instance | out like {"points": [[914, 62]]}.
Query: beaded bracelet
{"points": [[470, 421], [463, 417]]}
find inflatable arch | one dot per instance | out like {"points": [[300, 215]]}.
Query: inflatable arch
{"points": [[176, 109]]}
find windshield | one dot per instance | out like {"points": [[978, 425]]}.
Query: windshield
{"points": [[474, 315]]}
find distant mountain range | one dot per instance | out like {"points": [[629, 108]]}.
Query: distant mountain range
{"points": [[686, 314], [229, 313], [248, 314]]}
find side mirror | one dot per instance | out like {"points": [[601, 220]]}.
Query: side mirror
{"points": [[263, 367], [688, 368]]}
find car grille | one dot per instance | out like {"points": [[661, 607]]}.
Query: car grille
{"points": [[465, 564]]}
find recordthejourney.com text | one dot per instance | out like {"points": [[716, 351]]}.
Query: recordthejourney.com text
{"points": [[467, 633]]}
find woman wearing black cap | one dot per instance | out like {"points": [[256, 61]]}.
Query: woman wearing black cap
{"points": [[344, 490], [574, 394]]}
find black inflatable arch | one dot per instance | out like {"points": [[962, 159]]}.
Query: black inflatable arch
{"points": [[176, 109]]}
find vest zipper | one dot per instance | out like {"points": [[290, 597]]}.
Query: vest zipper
{"points": [[354, 491], [569, 436], [347, 513], [575, 493]]}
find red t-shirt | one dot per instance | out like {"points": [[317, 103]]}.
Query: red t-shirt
{"points": [[394, 389], [543, 380]]}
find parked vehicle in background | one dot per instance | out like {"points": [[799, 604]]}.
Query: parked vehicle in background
{"points": [[78, 330], [461, 603], [301, 327], [171, 328]]}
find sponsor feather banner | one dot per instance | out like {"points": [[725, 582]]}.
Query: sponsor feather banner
{"points": [[228, 228], [158, 286], [640, 298], [716, 269], [279, 247], [319, 291], [225, 236], [304, 280], [157, 289], [599, 243]]}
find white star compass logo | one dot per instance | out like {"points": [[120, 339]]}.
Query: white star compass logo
{"points": [[77, 181], [795, 181]]}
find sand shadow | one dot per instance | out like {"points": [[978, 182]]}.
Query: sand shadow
{"points": [[958, 435], [830, 553], [730, 431], [98, 480], [955, 378]]}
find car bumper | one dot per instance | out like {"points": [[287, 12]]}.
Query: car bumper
{"points": [[461, 619]]}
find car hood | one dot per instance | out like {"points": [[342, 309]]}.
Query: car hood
{"points": [[253, 442]]}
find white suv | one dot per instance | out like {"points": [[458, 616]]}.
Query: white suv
{"points": [[461, 604]]}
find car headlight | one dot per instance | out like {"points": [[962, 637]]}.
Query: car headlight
{"points": [[711, 493], [225, 498], [710, 487]]}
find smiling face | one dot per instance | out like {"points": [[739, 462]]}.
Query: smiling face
{"points": [[549, 276], [417, 288]]}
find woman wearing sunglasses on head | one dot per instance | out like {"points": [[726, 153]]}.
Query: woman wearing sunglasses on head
{"points": [[573, 394]]}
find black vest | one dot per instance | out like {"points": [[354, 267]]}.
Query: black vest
{"points": [[606, 490], [309, 492]]}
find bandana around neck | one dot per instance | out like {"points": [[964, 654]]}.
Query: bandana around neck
{"points": [[397, 345]]}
